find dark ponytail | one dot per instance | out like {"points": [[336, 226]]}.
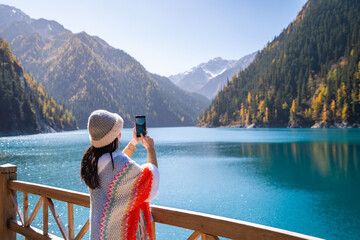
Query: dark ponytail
{"points": [[89, 163]]}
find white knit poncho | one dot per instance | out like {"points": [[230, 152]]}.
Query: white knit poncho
{"points": [[119, 207]]}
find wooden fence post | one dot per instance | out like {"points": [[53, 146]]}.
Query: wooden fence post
{"points": [[7, 208], [153, 230]]}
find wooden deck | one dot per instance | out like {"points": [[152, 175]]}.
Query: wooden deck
{"points": [[205, 226]]}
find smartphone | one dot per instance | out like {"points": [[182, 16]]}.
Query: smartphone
{"points": [[140, 123]]}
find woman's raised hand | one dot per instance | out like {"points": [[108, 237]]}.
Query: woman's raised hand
{"points": [[135, 140], [147, 141]]}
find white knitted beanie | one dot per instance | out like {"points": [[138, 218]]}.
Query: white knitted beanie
{"points": [[104, 127]]}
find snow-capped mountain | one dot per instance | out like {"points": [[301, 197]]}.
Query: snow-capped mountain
{"points": [[208, 78], [215, 84], [195, 78]]}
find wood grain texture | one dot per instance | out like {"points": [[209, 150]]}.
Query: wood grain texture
{"points": [[25, 207], [45, 217], [78, 198], [209, 237], [71, 220], [194, 236], [57, 218], [220, 226], [34, 212], [30, 232], [84, 229], [17, 207], [153, 230], [8, 168], [7, 208]]}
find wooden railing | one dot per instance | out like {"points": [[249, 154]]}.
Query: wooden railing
{"points": [[205, 226]]}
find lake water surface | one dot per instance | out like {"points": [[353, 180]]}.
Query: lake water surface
{"points": [[302, 180]]}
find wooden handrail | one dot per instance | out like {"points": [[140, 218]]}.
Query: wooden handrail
{"points": [[64, 195], [221, 226], [205, 226], [30, 232]]}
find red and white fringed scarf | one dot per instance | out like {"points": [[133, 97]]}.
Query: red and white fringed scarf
{"points": [[120, 208]]}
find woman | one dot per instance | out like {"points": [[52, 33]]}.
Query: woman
{"points": [[120, 189]]}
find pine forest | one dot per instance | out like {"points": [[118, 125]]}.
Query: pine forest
{"points": [[25, 106], [307, 76]]}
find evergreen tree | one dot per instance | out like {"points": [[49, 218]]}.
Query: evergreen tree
{"points": [[20, 96], [314, 63]]}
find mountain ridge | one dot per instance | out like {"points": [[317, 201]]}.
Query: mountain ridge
{"points": [[215, 84], [85, 73], [209, 77]]}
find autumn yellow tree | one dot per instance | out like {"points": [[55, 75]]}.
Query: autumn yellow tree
{"points": [[247, 117], [208, 117], [343, 90], [266, 118], [338, 98], [203, 118], [293, 110], [318, 102], [324, 114], [261, 108], [284, 105], [344, 113], [249, 98], [242, 110]]}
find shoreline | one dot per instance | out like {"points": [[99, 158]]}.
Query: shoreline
{"points": [[289, 125], [251, 126]]}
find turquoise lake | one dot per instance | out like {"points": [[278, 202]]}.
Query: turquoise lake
{"points": [[302, 180]]}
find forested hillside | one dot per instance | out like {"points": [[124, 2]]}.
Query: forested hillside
{"points": [[25, 106], [85, 73], [309, 74]]}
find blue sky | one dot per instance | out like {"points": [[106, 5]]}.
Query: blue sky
{"points": [[169, 37]]}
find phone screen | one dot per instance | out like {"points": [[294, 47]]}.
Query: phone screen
{"points": [[140, 123]]}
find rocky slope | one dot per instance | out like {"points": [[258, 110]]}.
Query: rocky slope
{"points": [[85, 73]]}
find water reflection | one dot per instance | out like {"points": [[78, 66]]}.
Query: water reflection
{"points": [[330, 167], [269, 183], [318, 158], [307, 163]]}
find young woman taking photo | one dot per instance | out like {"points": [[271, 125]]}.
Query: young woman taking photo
{"points": [[120, 189]]}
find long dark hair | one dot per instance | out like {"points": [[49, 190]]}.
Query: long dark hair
{"points": [[89, 163]]}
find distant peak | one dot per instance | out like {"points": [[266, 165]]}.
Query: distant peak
{"points": [[217, 59], [82, 33], [13, 13], [14, 10]]}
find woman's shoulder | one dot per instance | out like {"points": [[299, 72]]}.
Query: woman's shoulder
{"points": [[123, 159], [119, 155], [119, 158]]}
